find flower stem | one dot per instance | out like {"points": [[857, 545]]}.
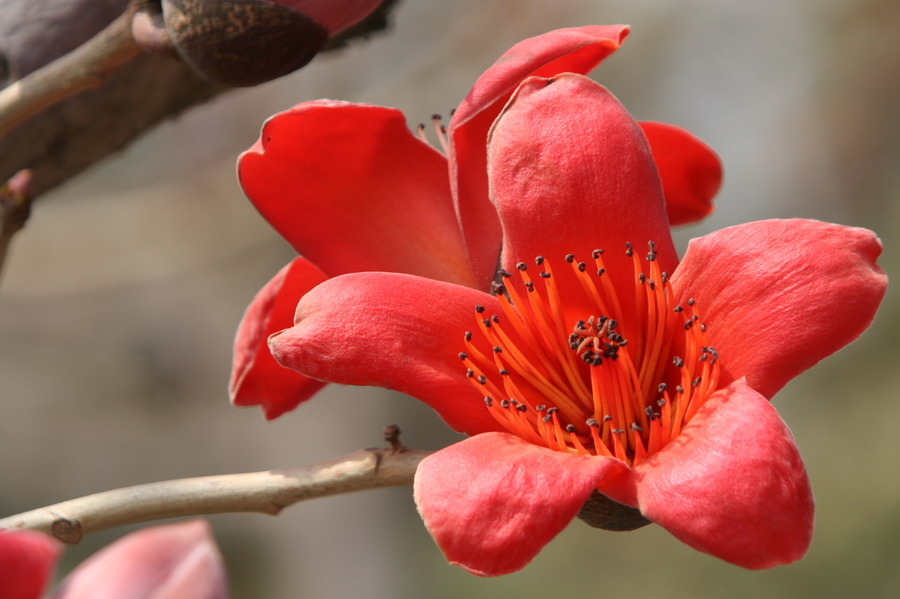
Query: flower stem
{"points": [[266, 492]]}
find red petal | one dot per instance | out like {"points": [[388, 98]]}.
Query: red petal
{"points": [[177, 561], [690, 171], [780, 295], [571, 172], [575, 50], [26, 563], [352, 189], [333, 15], [391, 330], [732, 484], [256, 378], [493, 501]]}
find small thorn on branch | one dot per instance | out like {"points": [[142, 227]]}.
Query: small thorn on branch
{"points": [[392, 437]]}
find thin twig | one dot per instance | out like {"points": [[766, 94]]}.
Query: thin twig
{"points": [[84, 68], [15, 207], [266, 492]]}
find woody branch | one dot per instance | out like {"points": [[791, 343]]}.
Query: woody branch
{"points": [[264, 492]]}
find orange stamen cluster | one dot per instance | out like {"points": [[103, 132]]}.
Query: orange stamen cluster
{"points": [[591, 383]]}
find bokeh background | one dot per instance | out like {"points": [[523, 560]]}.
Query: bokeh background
{"points": [[120, 298]]}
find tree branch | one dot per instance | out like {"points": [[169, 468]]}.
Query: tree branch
{"points": [[266, 492], [84, 68], [64, 137], [15, 207]]}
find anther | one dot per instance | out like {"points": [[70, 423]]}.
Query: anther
{"points": [[482, 380], [581, 266], [470, 373], [497, 349], [545, 275], [539, 260], [468, 335], [629, 251], [691, 302], [503, 371], [521, 266], [522, 407], [504, 403], [479, 309], [678, 362], [596, 254], [570, 428], [570, 258], [489, 401], [463, 355]]}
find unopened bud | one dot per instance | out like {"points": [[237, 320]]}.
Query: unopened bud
{"points": [[247, 42]]}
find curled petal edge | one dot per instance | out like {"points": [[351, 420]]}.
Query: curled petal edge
{"points": [[256, 378]]}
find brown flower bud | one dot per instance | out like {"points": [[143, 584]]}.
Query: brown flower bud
{"points": [[241, 42]]}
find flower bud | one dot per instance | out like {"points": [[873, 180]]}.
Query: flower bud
{"points": [[247, 42]]}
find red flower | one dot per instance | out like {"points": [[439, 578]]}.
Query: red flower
{"points": [[619, 373], [164, 562], [353, 190]]}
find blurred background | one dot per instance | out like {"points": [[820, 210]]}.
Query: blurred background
{"points": [[121, 296]]}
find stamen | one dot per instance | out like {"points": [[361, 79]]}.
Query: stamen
{"points": [[440, 131], [611, 370]]}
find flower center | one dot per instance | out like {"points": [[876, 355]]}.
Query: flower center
{"points": [[571, 367]]}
